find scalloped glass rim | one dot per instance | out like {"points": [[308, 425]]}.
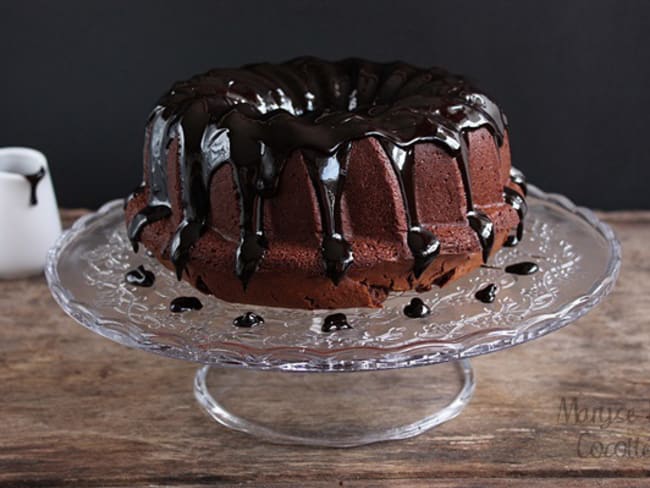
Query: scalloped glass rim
{"points": [[338, 353]]}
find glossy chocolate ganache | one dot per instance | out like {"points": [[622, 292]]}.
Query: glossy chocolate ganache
{"points": [[270, 124]]}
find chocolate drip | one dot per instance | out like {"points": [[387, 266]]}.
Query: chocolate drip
{"points": [[518, 178], [253, 244], [143, 218], [523, 268], [484, 228], [34, 179], [423, 244], [158, 204], [254, 118], [336, 321], [416, 309], [249, 319], [194, 203], [253, 181], [185, 304], [140, 277], [478, 221], [201, 286], [487, 294], [516, 201], [327, 174]]}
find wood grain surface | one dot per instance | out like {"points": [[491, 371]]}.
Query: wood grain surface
{"points": [[79, 410]]}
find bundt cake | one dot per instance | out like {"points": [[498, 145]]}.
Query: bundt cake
{"points": [[315, 184]]}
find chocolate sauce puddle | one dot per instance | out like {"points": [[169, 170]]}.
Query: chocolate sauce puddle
{"points": [[185, 304], [140, 277], [416, 309], [248, 320], [487, 294], [336, 321], [523, 268]]}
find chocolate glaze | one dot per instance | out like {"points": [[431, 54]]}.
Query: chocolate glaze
{"points": [[523, 268], [336, 321], [416, 309], [253, 118], [518, 202], [487, 294], [34, 179], [249, 319], [423, 244], [185, 304], [158, 204], [518, 178], [201, 286], [140, 277], [328, 175]]}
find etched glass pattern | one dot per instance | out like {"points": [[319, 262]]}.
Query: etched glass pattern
{"points": [[578, 257]]}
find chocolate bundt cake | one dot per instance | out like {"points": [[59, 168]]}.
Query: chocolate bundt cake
{"points": [[314, 184]]}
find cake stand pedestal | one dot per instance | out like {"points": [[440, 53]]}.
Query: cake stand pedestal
{"points": [[334, 409], [349, 387]]}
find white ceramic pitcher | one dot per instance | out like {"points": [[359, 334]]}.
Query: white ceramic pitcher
{"points": [[29, 216]]}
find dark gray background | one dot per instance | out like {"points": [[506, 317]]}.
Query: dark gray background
{"points": [[79, 77]]}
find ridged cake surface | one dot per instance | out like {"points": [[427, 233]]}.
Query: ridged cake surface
{"points": [[315, 184]]}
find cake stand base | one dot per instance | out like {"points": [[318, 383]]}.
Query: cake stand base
{"points": [[335, 409]]}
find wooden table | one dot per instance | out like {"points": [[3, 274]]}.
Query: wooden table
{"points": [[78, 409]]}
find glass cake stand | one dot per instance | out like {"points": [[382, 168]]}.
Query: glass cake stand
{"points": [[262, 380]]}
